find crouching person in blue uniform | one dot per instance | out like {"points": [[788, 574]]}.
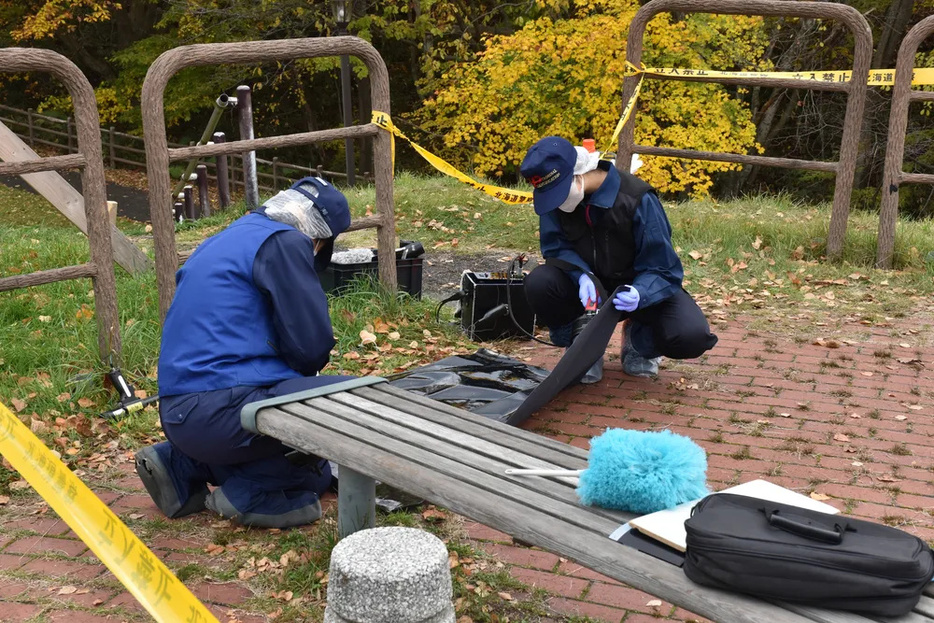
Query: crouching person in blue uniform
{"points": [[249, 321], [599, 225]]}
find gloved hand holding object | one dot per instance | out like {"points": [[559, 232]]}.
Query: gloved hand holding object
{"points": [[627, 300], [587, 292]]}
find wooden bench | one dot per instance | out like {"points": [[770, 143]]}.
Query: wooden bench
{"points": [[456, 459]]}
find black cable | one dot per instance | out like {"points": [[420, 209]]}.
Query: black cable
{"points": [[454, 297], [509, 276]]}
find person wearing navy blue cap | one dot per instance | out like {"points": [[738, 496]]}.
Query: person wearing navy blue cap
{"points": [[602, 228], [249, 321]]}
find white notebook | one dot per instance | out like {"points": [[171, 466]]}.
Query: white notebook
{"points": [[667, 526]]}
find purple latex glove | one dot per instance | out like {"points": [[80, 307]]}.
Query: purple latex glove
{"points": [[627, 300], [588, 291]]}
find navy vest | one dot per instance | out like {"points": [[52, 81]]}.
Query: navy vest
{"points": [[603, 237], [218, 332]]}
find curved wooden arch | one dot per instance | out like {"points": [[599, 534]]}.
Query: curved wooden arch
{"points": [[894, 176], [855, 89], [93, 185], [158, 154]]}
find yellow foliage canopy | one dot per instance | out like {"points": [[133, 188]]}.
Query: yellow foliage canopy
{"points": [[55, 16], [565, 78]]}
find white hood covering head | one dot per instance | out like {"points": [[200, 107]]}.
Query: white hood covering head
{"points": [[296, 209]]}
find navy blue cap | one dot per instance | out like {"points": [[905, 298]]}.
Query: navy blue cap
{"points": [[331, 203], [549, 167]]}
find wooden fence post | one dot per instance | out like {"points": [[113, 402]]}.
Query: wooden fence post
{"points": [[32, 137], [113, 154], [203, 199], [189, 203], [275, 174]]}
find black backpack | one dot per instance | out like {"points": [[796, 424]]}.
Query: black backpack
{"points": [[781, 552]]}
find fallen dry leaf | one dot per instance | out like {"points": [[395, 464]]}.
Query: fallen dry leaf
{"points": [[901, 417], [4, 500], [841, 437], [819, 496], [367, 338], [433, 514], [654, 603], [18, 405], [67, 590]]}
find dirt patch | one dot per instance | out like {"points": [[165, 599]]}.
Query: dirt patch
{"points": [[441, 271]]}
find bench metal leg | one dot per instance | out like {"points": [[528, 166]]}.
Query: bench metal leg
{"points": [[356, 502]]}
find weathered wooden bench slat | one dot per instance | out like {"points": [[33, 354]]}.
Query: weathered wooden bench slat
{"points": [[512, 456], [449, 460], [457, 459], [451, 443], [911, 617], [512, 450], [394, 461], [471, 448], [467, 421], [926, 605]]}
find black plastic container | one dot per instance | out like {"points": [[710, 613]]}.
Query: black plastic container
{"points": [[408, 274]]}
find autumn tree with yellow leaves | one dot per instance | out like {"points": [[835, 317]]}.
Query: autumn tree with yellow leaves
{"points": [[564, 77]]}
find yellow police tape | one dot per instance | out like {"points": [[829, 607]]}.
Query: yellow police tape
{"points": [[503, 194], [137, 568], [877, 77]]}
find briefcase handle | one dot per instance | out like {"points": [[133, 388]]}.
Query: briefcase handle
{"points": [[808, 531]]}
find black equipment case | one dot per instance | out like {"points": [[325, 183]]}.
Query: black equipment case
{"points": [[494, 307], [782, 552]]}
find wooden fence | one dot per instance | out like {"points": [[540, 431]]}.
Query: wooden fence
{"points": [[127, 151]]}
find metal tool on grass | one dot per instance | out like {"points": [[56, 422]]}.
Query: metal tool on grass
{"points": [[127, 396]]}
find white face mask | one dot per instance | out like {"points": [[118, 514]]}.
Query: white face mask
{"points": [[575, 196]]}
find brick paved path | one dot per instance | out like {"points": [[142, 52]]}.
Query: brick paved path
{"points": [[850, 417]]}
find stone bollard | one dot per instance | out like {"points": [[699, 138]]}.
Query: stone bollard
{"points": [[389, 575]]}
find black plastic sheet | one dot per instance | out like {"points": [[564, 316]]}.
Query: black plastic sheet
{"points": [[505, 389], [484, 382]]}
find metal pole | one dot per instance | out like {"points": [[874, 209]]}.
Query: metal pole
{"points": [[223, 181], [219, 105], [203, 198], [348, 121], [356, 502], [245, 111]]}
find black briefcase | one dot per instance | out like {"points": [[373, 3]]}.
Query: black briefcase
{"points": [[782, 552]]}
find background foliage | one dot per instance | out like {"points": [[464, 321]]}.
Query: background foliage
{"points": [[480, 81]]}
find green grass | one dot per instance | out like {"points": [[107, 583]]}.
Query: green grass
{"points": [[447, 215], [757, 256]]}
